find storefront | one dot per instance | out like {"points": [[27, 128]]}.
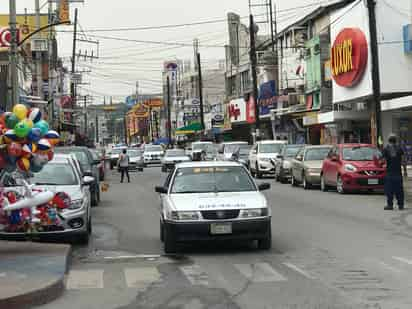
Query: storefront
{"points": [[238, 111]]}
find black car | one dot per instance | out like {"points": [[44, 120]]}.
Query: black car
{"points": [[90, 167]]}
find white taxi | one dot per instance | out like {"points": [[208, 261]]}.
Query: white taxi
{"points": [[213, 200]]}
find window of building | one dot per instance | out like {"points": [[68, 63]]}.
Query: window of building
{"points": [[245, 78]]}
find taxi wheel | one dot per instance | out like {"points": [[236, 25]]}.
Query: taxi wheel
{"points": [[162, 232], [266, 243], [169, 242], [83, 239], [258, 174], [306, 184], [340, 186], [293, 182]]}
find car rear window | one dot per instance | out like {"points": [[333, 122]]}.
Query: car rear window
{"points": [[212, 179]]}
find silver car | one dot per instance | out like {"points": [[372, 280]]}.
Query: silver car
{"points": [[62, 174], [172, 157]]}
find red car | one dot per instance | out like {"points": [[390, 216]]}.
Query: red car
{"points": [[352, 167]]}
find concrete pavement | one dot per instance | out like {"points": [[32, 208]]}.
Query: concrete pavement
{"points": [[31, 273]]}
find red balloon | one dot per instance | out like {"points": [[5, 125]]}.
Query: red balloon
{"points": [[14, 150], [50, 155], [3, 162]]}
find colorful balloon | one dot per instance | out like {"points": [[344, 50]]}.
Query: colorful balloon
{"points": [[50, 155], [10, 136], [23, 164], [28, 150], [43, 126], [29, 122], [20, 111], [53, 137], [21, 129], [34, 135], [11, 121], [44, 145], [14, 150], [35, 115], [3, 162]]}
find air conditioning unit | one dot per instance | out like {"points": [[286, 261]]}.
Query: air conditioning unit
{"points": [[39, 45]]}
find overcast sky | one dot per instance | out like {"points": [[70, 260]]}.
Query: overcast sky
{"points": [[121, 63]]}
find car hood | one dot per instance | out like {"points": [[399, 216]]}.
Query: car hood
{"points": [[135, 159], [74, 192], [219, 201], [175, 159], [362, 164], [314, 164]]}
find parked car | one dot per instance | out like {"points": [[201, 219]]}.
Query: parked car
{"points": [[62, 174], [152, 154], [351, 167], [283, 162], [136, 162], [261, 154], [226, 149], [213, 200], [98, 155], [307, 165], [89, 167], [114, 155], [172, 157]]}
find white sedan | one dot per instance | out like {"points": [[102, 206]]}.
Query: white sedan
{"points": [[213, 200]]}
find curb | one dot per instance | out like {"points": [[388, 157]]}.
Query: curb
{"points": [[42, 295]]}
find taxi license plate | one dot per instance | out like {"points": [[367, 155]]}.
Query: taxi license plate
{"points": [[373, 181], [221, 228]]}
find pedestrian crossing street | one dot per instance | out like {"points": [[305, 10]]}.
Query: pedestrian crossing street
{"points": [[193, 274]]}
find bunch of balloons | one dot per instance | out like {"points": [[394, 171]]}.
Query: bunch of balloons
{"points": [[26, 140], [43, 218]]}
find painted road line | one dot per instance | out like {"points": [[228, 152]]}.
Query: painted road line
{"points": [[403, 260], [389, 267], [141, 277], [259, 272], [195, 275], [299, 270], [85, 279]]}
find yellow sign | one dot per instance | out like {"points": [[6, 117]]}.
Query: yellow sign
{"points": [[342, 53], [64, 11]]}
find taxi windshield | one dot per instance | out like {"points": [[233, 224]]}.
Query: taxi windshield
{"points": [[212, 179]]}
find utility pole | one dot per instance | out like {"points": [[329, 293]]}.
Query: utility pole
{"points": [[85, 115], [376, 84], [272, 36], [39, 74], [169, 120], [13, 54], [199, 68], [51, 65], [137, 92], [72, 85], [97, 127], [253, 64]]}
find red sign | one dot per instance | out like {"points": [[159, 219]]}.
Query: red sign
{"points": [[251, 110], [349, 57], [5, 37], [234, 111]]}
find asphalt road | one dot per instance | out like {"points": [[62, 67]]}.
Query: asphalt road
{"points": [[329, 251]]}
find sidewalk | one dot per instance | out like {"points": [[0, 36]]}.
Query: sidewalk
{"points": [[31, 273]]}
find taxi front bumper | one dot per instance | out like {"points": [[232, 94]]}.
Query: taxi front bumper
{"points": [[251, 229]]}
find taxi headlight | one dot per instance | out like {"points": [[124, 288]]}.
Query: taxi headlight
{"points": [[76, 204], [184, 215], [252, 213]]}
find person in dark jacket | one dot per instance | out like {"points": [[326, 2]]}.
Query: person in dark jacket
{"points": [[394, 156]]}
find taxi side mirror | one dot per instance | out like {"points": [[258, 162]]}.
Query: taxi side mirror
{"points": [[161, 190], [264, 186]]}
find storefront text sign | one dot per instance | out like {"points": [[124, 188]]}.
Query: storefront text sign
{"points": [[349, 57]]}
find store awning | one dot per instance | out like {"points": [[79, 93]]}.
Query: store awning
{"points": [[189, 129]]}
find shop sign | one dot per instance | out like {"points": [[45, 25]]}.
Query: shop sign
{"points": [[237, 110], [251, 110], [154, 103], [349, 57], [310, 119], [218, 120]]}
